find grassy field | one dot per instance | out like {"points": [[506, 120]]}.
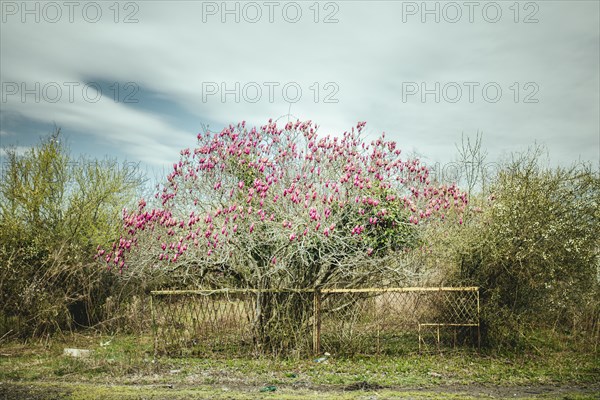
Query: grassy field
{"points": [[123, 367]]}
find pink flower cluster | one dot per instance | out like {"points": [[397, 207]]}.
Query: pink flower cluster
{"points": [[288, 179]]}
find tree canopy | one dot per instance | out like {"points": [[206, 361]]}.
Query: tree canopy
{"points": [[283, 207]]}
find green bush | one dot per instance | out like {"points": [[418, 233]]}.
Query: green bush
{"points": [[530, 240], [54, 212], [533, 249]]}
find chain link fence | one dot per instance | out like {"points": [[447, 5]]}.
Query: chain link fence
{"points": [[237, 322]]}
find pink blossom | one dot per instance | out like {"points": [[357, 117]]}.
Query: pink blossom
{"points": [[296, 173]]}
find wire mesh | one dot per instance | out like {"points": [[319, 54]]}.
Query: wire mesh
{"points": [[393, 321], [188, 323], [299, 322]]}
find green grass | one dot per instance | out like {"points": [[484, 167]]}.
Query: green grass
{"points": [[126, 369], [94, 392]]}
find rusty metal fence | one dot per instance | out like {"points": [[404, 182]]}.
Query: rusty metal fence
{"points": [[236, 322]]}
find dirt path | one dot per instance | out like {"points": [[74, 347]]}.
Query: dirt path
{"points": [[66, 391]]}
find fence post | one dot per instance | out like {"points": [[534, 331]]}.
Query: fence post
{"points": [[316, 322], [478, 324], [154, 327]]}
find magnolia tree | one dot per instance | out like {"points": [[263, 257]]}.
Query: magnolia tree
{"points": [[272, 208]]}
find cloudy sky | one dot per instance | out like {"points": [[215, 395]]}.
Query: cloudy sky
{"points": [[138, 80]]}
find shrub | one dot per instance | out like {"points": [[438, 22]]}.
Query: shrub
{"points": [[54, 212]]}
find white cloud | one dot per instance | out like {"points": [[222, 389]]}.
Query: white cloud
{"points": [[19, 150], [369, 55]]}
